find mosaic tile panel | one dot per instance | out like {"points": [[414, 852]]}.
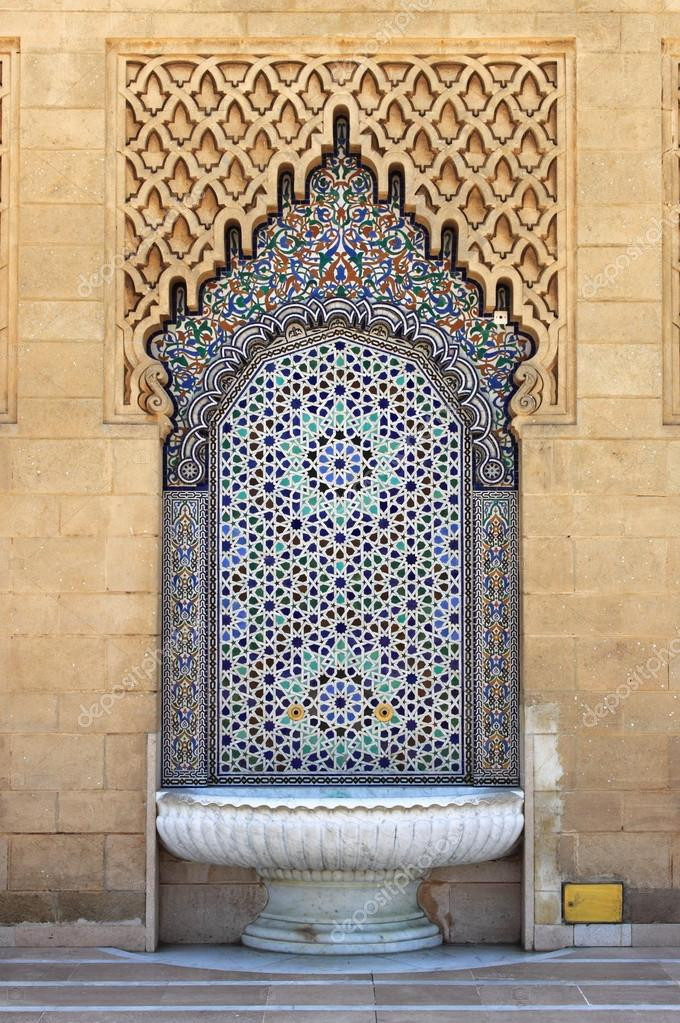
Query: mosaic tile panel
{"points": [[496, 632], [340, 517], [341, 534], [185, 653], [340, 243]]}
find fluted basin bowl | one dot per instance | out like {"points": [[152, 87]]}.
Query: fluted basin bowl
{"points": [[341, 865]]}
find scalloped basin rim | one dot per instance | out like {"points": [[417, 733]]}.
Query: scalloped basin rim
{"points": [[309, 797]]}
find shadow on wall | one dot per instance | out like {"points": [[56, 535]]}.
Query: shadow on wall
{"points": [[480, 903]]}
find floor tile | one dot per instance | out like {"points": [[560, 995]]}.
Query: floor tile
{"points": [[222, 995], [341, 1016], [422, 978], [534, 994], [575, 971], [122, 995], [625, 952], [58, 954], [322, 994], [18, 971], [77, 996], [156, 971], [534, 1016], [671, 970], [423, 994], [154, 1017], [630, 995], [21, 1017]]}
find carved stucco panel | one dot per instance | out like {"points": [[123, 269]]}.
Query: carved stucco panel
{"points": [[483, 139]]}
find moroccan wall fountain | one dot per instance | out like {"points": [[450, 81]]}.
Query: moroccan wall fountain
{"points": [[340, 691]]}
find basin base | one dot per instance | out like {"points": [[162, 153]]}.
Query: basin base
{"points": [[343, 916]]}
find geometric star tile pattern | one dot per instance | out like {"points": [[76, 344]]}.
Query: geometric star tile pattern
{"points": [[341, 508]]}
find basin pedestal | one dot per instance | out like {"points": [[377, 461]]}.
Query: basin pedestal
{"points": [[348, 915], [341, 865]]}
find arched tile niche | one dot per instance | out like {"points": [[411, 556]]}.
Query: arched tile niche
{"points": [[340, 522]]}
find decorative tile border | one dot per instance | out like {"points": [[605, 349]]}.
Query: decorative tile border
{"points": [[496, 635], [200, 133], [184, 636]]}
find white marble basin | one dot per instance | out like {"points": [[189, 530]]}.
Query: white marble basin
{"points": [[342, 865]]}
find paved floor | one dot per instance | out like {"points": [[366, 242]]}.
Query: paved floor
{"points": [[105, 986]]}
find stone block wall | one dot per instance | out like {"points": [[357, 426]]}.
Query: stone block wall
{"points": [[80, 507]]}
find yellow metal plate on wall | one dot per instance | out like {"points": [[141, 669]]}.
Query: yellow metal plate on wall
{"points": [[593, 903]]}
